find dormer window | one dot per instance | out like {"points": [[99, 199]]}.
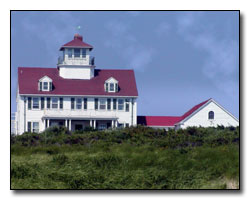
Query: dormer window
{"points": [[45, 84], [111, 85]]}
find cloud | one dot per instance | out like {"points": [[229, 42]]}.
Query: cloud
{"points": [[162, 29], [135, 54], [53, 29], [221, 62]]}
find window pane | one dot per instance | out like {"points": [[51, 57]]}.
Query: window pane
{"points": [[120, 104], [45, 86], [77, 52], [61, 103], [35, 127], [50, 86], [111, 87], [116, 87], [29, 103], [54, 102], [78, 103], [29, 126], [70, 53], [72, 103], [127, 105], [109, 104], [40, 86], [48, 102], [114, 104], [211, 115], [96, 104], [85, 103], [35, 103], [102, 104], [83, 53], [42, 102], [106, 87]]}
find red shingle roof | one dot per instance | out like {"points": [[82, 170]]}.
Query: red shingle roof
{"points": [[28, 82], [77, 42], [157, 120], [167, 120]]}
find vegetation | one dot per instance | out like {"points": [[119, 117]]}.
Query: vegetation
{"points": [[130, 158]]}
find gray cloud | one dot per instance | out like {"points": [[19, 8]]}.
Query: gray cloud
{"points": [[136, 55], [221, 62]]}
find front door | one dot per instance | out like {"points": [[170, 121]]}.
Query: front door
{"points": [[78, 127]]}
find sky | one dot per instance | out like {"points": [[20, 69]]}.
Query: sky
{"points": [[179, 58]]}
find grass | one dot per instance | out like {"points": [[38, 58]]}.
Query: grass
{"points": [[118, 160]]}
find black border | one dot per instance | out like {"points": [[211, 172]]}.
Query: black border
{"points": [[92, 191]]}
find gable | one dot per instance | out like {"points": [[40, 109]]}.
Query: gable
{"points": [[45, 79], [200, 116], [111, 80]]}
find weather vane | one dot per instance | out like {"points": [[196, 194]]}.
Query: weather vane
{"points": [[78, 28]]}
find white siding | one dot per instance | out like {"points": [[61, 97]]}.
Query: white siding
{"points": [[221, 117]]}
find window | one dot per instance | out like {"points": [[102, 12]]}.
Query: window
{"points": [[120, 125], [35, 128], [35, 103], [77, 53], [72, 103], [42, 102], [106, 87], [78, 103], [211, 115], [114, 104], [29, 103], [84, 53], [70, 53], [54, 102], [61, 103], [127, 125], [111, 89], [96, 104], [29, 126], [116, 87], [45, 85], [50, 86], [40, 86], [120, 104], [108, 104], [111, 85], [85, 103], [48, 102], [127, 105], [102, 104], [102, 126]]}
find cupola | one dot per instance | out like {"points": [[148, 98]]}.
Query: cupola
{"points": [[76, 62]]}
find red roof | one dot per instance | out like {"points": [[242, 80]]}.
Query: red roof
{"points": [[28, 82], [157, 120], [167, 120], [77, 42]]}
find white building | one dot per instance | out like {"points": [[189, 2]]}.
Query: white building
{"points": [[75, 94], [206, 114]]}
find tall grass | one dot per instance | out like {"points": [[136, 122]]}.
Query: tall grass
{"points": [[138, 158]]}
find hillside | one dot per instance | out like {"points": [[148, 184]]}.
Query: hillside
{"points": [[131, 158]]}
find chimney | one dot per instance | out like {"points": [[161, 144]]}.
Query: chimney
{"points": [[77, 36]]}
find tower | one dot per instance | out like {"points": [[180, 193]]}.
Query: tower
{"points": [[76, 62]]}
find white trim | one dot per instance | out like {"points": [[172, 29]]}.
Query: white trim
{"points": [[41, 79]]}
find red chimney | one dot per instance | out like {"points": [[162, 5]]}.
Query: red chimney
{"points": [[77, 36]]}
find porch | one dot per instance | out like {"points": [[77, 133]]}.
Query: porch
{"points": [[74, 124]]}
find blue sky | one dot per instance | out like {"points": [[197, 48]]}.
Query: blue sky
{"points": [[179, 58]]}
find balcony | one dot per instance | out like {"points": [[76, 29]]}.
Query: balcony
{"points": [[87, 60], [79, 114]]}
